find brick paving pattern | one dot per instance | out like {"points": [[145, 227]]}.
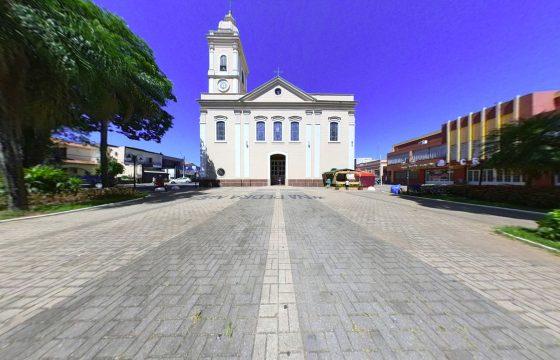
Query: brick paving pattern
{"points": [[276, 273]]}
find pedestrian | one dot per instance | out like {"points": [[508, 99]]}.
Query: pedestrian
{"points": [[328, 183], [347, 184]]}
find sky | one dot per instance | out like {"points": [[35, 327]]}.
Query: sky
{"points": [[412, 65]]}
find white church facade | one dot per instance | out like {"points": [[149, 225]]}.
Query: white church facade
{"points": [[276, 134]]}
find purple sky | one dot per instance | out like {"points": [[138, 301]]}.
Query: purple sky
{"points": [[412, 65]]}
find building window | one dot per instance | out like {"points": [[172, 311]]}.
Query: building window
{"points": [[334, 131], [464, 150], [499, 175], [453, 153], [220, 131], [278, 91], [221, 172], [473, 175], [294, 133], [488, 175], [243, 78], [223, 63], [277, 131], [260, 131], [557, 179]]}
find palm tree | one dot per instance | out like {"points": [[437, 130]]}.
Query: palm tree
{"points": [[530, 146]]}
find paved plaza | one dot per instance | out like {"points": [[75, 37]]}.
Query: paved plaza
{"points": [[277, 273]]}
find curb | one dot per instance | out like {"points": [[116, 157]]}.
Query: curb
{"points": [[71, 211], [528, 241], [480, 205]]}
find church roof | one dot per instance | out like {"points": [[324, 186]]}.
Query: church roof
{"points": [[275, 82], [228, 24]]}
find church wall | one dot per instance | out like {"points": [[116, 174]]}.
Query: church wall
{"points": [[336, 154], [241, 148]]}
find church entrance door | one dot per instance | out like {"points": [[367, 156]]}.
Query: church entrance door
{"points": [[277, 169]]}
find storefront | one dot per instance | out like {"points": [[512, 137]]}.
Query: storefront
{"points": [[439, 177]]}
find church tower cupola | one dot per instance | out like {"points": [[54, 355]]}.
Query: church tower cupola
{"points": [[227, 69]]}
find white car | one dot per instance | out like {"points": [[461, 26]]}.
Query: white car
{"points": [[183, 180]]}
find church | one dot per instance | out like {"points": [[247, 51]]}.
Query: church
{"points": [[276, 134]]}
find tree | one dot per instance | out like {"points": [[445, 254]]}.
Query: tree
{"points": [[114, 168], [530, 147], [131, 91], [69, 63], [36, 62]]}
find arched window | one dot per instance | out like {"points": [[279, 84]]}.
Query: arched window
{"points": [[223, 63], [260, 131], [294, 131], [334, 131], [220, 131], [277, 131]]}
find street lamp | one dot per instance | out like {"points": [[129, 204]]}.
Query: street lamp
{"points": [[134, 159]]}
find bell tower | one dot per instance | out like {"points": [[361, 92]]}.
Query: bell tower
{"points": [[227, 68]]}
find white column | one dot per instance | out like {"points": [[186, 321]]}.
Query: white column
{"points": [[235, 61], [246, 164], [211, 61], [203, 150], [317, 144], [351, 139], [237, 144], [308, 141]]}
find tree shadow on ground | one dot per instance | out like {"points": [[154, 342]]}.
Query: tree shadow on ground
{"points": [[158, 197], [475, 209]]}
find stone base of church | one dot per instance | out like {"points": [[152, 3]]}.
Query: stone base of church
{"points": [[243, 182], [261, 182], [305, 182]]}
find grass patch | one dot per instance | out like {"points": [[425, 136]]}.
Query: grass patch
{"points": [[529, 234], [479, 202], [55, 208]]}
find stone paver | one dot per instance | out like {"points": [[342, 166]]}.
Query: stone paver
{"points": [[520, 278], [275, 273], [278, 333]]}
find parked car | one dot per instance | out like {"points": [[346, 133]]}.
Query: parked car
{"points": [[183, 180], [94, 181], [91, 181]]}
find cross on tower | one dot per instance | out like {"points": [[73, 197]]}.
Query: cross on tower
{"points": [[278, 72]]}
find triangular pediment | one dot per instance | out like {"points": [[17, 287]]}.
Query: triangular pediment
{"points": [[268, 92]]}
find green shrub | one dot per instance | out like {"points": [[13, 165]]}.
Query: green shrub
{"points": [[549, 226], [48, 180], [3, 195]]}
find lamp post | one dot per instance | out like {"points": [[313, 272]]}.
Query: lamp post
{"points": [[134, 159]]}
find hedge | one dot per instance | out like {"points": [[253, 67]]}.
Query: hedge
{"points": [[535, 197], [549, 226]]}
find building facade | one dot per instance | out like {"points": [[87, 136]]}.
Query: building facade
{"points": [[139, 163], [376, 167], [77, 159], [451, 154], [274, 134]]}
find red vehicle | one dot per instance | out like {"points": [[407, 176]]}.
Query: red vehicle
{"points": [[159, 183]]}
